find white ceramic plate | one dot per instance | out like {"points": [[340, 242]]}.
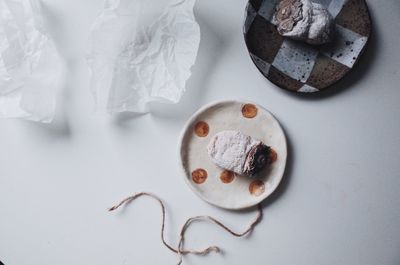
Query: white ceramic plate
{"points": [[230, 191]]}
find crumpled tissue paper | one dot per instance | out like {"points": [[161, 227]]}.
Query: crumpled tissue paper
{"points": [[29, 63], [141, 51]]}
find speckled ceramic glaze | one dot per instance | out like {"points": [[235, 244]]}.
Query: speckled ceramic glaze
{"points": [[221, 187], [301, 67]]}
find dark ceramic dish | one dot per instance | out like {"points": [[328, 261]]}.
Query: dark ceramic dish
{"points": [[301, 67]]}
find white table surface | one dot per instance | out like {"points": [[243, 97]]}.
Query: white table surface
{"points": [[339, 202]]}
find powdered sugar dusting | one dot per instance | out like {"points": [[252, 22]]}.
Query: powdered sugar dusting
{"points": [[229, 149]]}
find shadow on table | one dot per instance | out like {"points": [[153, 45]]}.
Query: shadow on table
{"points": [[60, 126]]}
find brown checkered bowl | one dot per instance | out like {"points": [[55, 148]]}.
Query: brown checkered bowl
{"points": [[300, 67]]}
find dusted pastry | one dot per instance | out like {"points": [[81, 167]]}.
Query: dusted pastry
{"points": [[304, 20], [240, 153]]}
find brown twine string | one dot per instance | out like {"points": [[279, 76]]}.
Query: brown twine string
{"points": [[180, 250]]}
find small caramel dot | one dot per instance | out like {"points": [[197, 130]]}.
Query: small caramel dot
{"points": [[273, 156], [201, 129], [249, 111], [257, 188], [199, 176], [227, 176]]}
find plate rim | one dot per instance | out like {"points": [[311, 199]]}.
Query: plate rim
{"points": [[192, 119]]}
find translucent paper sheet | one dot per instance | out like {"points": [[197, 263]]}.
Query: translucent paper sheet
{"points": [[29, 63], [141, 51]]}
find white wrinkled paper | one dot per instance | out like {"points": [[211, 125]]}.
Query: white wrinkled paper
{"points": [[29, 63], [141, 51]]}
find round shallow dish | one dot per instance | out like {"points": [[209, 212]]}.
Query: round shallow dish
{"points": [[300, 67], [223, 188]]}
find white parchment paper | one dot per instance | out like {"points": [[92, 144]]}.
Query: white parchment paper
{"points": [[141, 51], [29, 63]]}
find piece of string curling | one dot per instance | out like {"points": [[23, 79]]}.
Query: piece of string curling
{"points": [[180, 250]]}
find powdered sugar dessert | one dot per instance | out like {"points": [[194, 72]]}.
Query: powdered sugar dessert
{"points": [[304, 20], [242, 154]]}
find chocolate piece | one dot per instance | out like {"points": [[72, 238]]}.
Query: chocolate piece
{"points": [[239, 153], [257, 159]]}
